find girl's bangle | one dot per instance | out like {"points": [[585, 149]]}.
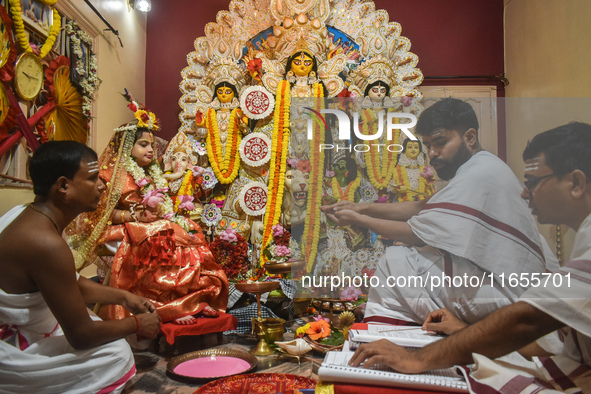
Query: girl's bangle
{"points": [[132, 213], [122, 216]]}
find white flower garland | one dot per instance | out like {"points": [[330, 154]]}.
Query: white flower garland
{"points": [[166, 207], [89, 83]]}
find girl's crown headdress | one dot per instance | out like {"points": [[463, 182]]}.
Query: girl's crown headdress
{"points": [[144, 116]]}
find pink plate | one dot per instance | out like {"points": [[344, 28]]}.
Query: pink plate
{"points": [[210, 367], [205, 365]]}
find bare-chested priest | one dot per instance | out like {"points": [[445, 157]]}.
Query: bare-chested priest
{"points": [[49, 342]]}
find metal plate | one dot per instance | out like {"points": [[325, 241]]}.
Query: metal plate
{"points": [[211, 354]]}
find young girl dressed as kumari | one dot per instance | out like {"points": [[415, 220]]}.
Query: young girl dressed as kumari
{"points": [[161, 255]]}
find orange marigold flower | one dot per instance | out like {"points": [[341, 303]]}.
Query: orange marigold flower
{"points": [[318, 330]]}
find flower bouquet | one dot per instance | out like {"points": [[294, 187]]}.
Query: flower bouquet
{"points": [[280, 253], [230, 250], [278, 250], [323, 336]]}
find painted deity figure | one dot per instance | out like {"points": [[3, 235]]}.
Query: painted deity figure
{"points": [[346, 180], [301, 73], [377, 95], [225, 124], [227, 196], [378, 165], [184, 182], [414, 180]]}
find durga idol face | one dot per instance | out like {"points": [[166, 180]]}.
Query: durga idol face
{"points": [[302, 65], [377, 93], [225, 94]]}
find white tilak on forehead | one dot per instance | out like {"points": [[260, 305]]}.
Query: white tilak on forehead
{"points": [[533, 164], [92, 166]]}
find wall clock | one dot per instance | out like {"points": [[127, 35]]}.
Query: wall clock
{"points": [[28, 78]]}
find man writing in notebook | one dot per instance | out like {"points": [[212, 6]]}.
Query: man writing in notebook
{"points": [[474, 227], [558, 189]]}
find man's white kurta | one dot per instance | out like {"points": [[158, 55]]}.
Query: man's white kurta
{"points": [[477, 228]]}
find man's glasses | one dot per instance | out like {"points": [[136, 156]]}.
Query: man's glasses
{"points": [[531, 183]]}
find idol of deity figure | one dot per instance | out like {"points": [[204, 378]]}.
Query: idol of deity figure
{"points": [[183, 177], [414, 180]]}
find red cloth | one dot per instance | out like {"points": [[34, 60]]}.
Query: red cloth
{"points": [[269, 383], [359, 326], [204, 325]]}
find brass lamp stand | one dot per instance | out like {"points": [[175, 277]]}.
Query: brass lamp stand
{"points": [[258, 289]]}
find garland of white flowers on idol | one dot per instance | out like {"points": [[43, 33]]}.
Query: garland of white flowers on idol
{"points": [[312, 224], [379, 174], [90, 82], [21, 35], [165, 206], [226, 168], [278, 165]]}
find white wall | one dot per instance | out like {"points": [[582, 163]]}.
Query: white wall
{"points": [[547, 63]]}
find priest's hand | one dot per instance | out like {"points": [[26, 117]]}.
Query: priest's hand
{"points": [[386, 352], [443, 321], [136, 304], [332, 208], [148, 325], [344, 217]]}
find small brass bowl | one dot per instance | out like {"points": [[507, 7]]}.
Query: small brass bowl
{"points": [[284, 267], [256, 287]]}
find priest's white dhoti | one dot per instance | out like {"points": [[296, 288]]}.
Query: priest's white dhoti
{"points": [[477, 232], [35, 356]]}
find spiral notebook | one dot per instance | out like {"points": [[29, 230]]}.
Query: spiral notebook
{"points": [[335, 368]]}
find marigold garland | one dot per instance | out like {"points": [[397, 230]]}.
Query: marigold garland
{"points": [[403, 180], [21, 35], [227, 170], [379, 174], [280, 144], [184, 189], [349, 193], [312, 224]]}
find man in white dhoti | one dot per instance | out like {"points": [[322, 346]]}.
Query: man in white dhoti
{"points": [[558, 188], [48, 341], [462, 240]]}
